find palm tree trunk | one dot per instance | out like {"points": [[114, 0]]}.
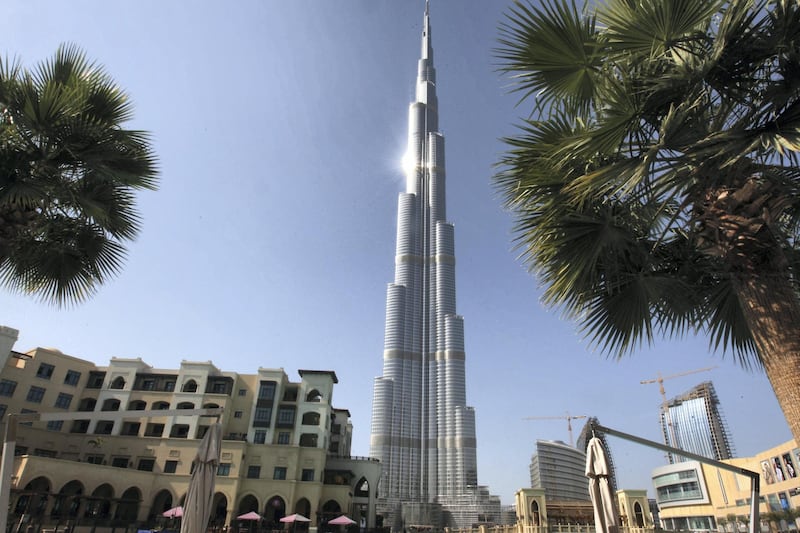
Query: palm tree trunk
{"points": [[772, 310]]}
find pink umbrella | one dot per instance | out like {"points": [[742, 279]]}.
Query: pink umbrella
{"points": [[295, 518], [252, 515], [175, 512], [341, 521]]}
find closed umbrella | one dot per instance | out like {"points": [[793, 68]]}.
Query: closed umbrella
{"points": [[199, 497], [597, 470]]}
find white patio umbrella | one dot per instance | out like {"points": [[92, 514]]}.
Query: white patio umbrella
{"points": [[597, 470], [200, 495]]}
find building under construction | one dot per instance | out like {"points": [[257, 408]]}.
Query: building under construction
{"points": [[694, 422]]}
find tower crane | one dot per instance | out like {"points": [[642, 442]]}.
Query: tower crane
{"points": [[569, 418], [670, 433]]}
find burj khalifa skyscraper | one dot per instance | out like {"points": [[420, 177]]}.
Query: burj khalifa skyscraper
{"points": [[422, 430]]}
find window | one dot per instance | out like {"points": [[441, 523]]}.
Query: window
{"points": [[279, 473], [7, 387], [308, 440], [137, 405], [283, 437], [154, 430], [79, 426], [170, 467], [23, 411], [242, 392], [146, 465], [290, 394], [185, 405], [219, 387], [308, 474], [224, 469], [253, 471], [55, 425], [63, 401], [95, 380], [118, 383], [161, 406], [179, 431], [95, 459], [285, 416], [190, 386], [311, 419], [266, 390], [260, 436], [41, 452], [237, 414], [104, 427], [119, 462], [262, 417], [130, 428], [35, 394], [87, 404], [72, 378], [112, 404], [45, 371], [3, 409]]}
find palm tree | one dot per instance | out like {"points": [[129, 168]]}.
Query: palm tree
{"points": [[655, 185], [68, 173]]}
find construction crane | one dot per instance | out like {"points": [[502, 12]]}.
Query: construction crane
{"points": [[660, 380], [569, 418]]}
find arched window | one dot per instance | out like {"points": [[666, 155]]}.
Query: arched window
{"points": [[190, 386], [112, 404], [160, 406], [211, 406], [137, 405], [87, 404], [537, 519], [638, 514], [185, 405], [274, 510], [362, 488], [118, 383], [311, 419], [314, 396]]}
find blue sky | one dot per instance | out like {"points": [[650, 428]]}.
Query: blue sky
{"points": [[280, 127]]}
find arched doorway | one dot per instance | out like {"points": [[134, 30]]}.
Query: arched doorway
{"points": [[274, 510]]}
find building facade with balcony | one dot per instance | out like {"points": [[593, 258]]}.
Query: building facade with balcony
{"points": [[286, 448]]}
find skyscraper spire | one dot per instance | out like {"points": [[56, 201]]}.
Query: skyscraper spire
{"points": [[422, 431]]}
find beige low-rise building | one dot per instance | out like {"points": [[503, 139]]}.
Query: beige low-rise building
{"points": [[285, 449], [700, 497]]}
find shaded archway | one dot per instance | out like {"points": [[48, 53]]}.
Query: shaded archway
{"points": [[190, 386], [274, 510], [314, 396], [98, 506], [303, 507], [128, 507], [33, 499], [161, 502], [118, 383], [111, 404], [330, 510], [68, 500], [247, 504], [219, 510], [310, 419]]}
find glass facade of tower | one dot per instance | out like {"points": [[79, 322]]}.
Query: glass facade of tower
{"points": [[422, 430], [693, 422]]}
